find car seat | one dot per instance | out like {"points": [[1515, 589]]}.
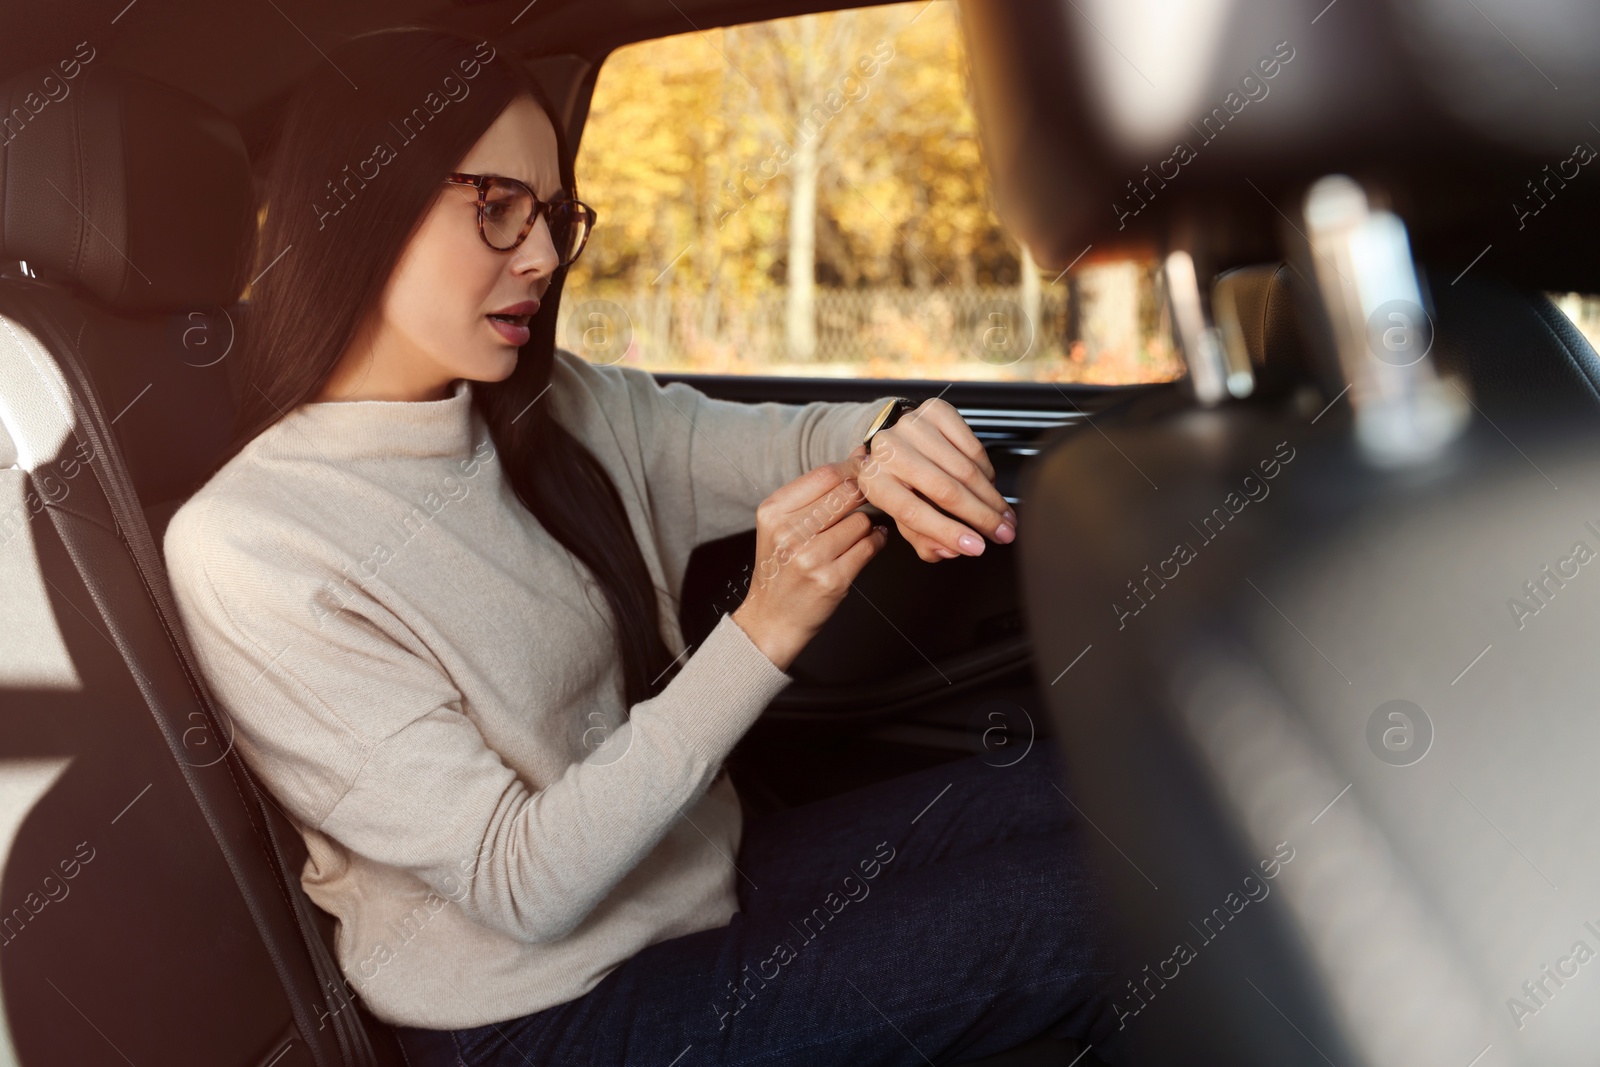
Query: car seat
{"points": [[151, 894]]}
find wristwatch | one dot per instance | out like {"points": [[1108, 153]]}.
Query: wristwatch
{"points": [[887, 416]]}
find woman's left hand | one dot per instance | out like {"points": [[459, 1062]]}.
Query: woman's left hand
{"points": [[929, 464]]}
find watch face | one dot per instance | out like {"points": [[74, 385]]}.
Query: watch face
{"points": [[887, 416], [878, 420]]}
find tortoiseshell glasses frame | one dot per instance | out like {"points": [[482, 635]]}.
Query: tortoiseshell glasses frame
{"points": [[571, 220]]}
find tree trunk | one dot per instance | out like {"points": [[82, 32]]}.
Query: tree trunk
{"points": [[1031, 297], [800, 320], [1111, 311]]}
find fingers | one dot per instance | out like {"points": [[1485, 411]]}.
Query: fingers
{"points": [[941, 476], [798, 510], [944, 438], [859, 554], [795, 519], [810, 486], [921, 523], [833, 543], [941, 416], [926, 548], [982, 503], [814, 516], [828, 556], [925, 515], [856, 461]]}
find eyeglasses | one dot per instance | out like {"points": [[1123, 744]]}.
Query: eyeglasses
{"points": [[507, 210]]}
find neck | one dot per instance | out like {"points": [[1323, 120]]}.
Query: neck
{"points": [[369, 370]]}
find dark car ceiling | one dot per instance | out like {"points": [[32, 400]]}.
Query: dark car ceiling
{"points": [[1057, 177], [241, 56]]}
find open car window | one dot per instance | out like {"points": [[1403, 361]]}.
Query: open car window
{"points": [[808, 196]]}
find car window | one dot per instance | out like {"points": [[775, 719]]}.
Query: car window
{"points": [[807, 196]]}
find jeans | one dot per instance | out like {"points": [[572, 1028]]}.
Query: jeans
{"points": [[938, 917]]}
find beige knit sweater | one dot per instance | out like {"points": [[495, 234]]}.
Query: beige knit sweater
{"points": [[426, 683]]}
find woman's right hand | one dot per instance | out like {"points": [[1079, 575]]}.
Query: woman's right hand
{"points": [[810, 545]]}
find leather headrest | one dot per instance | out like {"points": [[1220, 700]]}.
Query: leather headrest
{"points": [[1268, 302], [1521, 354], [1515, 347], [125, 187]]}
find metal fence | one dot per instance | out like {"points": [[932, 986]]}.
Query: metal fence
{"points": [[945, 332], [1082, 331]]}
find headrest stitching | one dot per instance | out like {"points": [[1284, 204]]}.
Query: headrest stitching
{"points": [[80, 246], [1542, 307]]}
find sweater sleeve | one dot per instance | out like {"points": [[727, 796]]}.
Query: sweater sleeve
{"points": [[358, 731], [714, 461]]}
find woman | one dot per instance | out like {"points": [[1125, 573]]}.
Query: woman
{"points": [[432, 583]]}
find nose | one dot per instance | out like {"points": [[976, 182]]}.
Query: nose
{"points": [[537, 253]]}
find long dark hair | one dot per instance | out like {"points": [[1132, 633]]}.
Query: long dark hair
{"points": [[340, 232]]}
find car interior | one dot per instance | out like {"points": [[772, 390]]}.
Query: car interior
{"points": [[1357, 266]]}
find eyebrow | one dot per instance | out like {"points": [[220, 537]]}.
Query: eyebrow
{"points": [[559, 193]]}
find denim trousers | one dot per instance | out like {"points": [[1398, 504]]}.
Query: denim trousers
{"points": [[937, 917]]}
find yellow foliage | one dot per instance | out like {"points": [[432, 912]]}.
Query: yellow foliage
{"points": [[689, 156]]}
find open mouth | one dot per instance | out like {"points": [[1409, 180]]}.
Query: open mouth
{"points": [[512, 329]]}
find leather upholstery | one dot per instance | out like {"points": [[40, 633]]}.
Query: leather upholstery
{"points": [[134, 192], [1212, 708], [1521, 354], [198, 942], [1269, 302], [1518, 352], [145, 368]]}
